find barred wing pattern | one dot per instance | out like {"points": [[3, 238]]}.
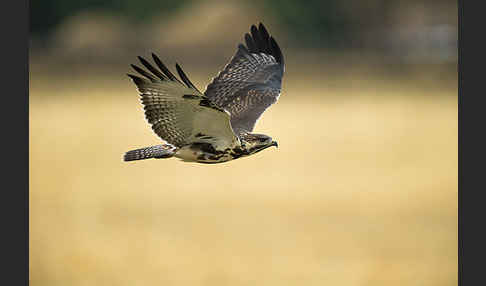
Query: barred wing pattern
{"points": [[251, 81], [177, 111]]}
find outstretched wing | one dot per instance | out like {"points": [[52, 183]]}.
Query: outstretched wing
{"points": [[251, 81], [177, 111]]}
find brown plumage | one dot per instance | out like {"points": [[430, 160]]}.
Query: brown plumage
{"points": [[222, 119]]}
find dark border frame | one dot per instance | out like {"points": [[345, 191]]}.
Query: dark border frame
{"points": [[15, 143], [471, 151], [15, 23], [460, 82]]}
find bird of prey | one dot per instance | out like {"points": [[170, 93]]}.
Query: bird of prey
{"points": [[215, 126]]}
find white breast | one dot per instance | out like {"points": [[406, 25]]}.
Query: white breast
{"points": [[186, 154]]}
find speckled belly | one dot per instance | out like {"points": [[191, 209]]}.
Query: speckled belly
{"points": [[191, 154]]}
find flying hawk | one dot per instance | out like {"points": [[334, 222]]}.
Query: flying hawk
{"points": [[215, 126]]}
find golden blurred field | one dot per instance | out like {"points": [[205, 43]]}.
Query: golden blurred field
{"points": [[362, 191]]}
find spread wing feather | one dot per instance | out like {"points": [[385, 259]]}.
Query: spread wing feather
{"points": [[177, 111], [251, 81]]}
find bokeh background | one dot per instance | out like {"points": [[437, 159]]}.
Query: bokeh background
{"points": [[361, 191]]}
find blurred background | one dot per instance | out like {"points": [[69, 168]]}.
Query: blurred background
{"points": [[361, 191]]}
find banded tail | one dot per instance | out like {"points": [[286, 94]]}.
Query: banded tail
{"points": [[156, 152]]}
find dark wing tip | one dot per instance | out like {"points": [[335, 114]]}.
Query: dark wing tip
{"points": [[143, 72], [184, 77], [255, 34], [261, 26], [242, 47], [137, 80], [265, 37], [151, 68], [260, 41], [250, 44], [276, 52], [164, 68], [164, 75]]}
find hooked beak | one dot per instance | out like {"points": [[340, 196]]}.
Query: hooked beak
{"points": [[274, 143]]}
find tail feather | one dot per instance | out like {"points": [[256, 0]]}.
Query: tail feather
{"points": [[157, 152]]}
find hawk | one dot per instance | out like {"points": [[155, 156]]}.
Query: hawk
{"points": [[215, 126]]}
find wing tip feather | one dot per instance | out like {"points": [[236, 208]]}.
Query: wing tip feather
{"points": [[152, 69], [164, 68], [184, 77], [137, 80], [163, 74], [260, 41]]}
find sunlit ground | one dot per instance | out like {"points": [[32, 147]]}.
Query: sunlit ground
{"points": [[361, 191]]}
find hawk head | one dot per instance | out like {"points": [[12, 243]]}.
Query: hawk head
{"points": [[253, 143]]}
